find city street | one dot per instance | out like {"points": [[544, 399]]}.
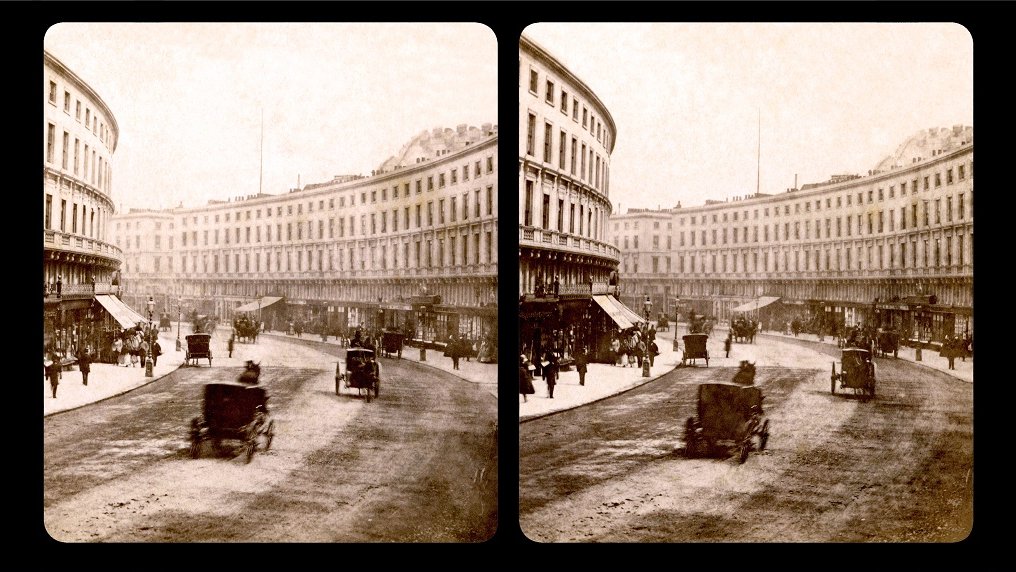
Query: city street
{"points": [[836, 468], [405, 467]]}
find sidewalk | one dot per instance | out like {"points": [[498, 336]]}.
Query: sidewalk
{"points": [[605, 380], [107, 380]]}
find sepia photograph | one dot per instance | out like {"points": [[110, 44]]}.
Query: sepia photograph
{"points": [[746, 283], [270, 283]]}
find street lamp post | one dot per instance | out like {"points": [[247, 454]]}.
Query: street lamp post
{"points": [[149, 365], [648, 308], [179, 318]]}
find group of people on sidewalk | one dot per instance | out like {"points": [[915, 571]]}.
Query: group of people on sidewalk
{"points": [[551, 370], [631, 348], [132, 347], [53, 365]]}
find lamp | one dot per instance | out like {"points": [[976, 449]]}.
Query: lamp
{"points": [[151, 344], [179, 318]]}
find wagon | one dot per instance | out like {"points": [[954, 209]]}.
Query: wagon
{"points": [[233, 411], [695, 348], [359, 370], [728, 415], [198, 347], [391, 343], [887, 342], [857, 372]]}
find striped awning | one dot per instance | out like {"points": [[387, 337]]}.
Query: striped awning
{"points": [[759, 302], [259, 304], [613, 311], [632, 315], [122, 313]]}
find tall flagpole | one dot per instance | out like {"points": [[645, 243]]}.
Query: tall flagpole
{"points": [[261, 149], [758, 168]]}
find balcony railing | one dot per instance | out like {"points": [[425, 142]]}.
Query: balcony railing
{"points": [[577, 244], [79, 291], [80, 244]]}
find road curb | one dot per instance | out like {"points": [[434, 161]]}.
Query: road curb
{"points": [[609, 395], [111, 396]]}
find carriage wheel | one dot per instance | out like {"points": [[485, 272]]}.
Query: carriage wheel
{"points": [[269, 434], [763, 437], [745, 449], [832, 380], [338, 382], [195, 447], [368, 394], [249, 448], [377, 388]]}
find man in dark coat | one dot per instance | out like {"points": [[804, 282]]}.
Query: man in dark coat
{"points": [[156, 352], [85, 365], [53, 371], [580, 365], [550, 373]]}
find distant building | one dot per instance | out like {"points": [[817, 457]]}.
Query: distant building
{"points": [[413, 245], [80, 136], [891, 248]]}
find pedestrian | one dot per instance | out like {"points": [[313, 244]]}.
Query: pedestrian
{"points": [[453, 351], [550, 372], [525, 378], [654, 350], [156, 352], [117, 351], [726, 344], [615, 351], [143, 352], [580, 364], [84, 365], [229, 345], [948, 351], [52, 364], [557, 286]]}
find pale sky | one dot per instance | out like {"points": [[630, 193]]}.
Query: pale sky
{"points": [[833, 98], [337, 99]]}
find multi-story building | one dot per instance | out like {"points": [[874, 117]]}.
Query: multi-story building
{"points": [[413, 245], [79, 136], [893, 247], [566, 137]]}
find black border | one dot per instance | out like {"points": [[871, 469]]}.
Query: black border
{"points": [[509, 546]]}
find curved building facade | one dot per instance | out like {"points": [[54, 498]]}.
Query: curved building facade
{"points": [[893, 247], [566, 136], [80, 136], [412, 246]]}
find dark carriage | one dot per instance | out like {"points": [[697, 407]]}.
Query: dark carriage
{"points": [[391, 343], [887, 342], [233, 411], [359, 370], [730, 416], [164, 324], [662, 324], [246, 329], [742, 330], [695, 348], [198, 347], [857, 372]]}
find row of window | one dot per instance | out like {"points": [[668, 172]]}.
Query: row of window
{"points": [[88, 224], [593, 171], [92, 122], [875, 224], [458, 253], [589, 120], [92, 167], [849, 197], [905, 254], [588, 219], [378, 222]]}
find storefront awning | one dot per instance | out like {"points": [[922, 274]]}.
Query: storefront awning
{"points": [[757, 303], [632, 315], [607, 303], [256, 305], [122, 313]]}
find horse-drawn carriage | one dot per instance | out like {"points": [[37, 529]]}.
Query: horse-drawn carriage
{"points": [[743, 330], [662, 324], [198, 347], [730, 415], [887, 342], [164, 324], [203, 324], [359, 370], [246, 329], [391, 343], [695, 348], [857, 372], [237, 411]]}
